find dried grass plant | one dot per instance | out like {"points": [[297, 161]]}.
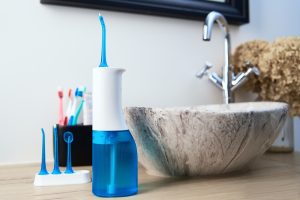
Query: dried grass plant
{"points": [[279, 63]]}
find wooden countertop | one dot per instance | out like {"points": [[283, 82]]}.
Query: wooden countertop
{"points": [[274, 176]]}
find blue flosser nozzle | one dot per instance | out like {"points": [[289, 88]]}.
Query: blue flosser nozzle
{"points": [[56, 163], [68, 138], [43, 170], [103, 62]]}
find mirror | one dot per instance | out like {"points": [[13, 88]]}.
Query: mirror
{"points": [[235, 11]]}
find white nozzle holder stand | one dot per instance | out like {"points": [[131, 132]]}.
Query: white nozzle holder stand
{"points": [[107, 112], [78, 177]]}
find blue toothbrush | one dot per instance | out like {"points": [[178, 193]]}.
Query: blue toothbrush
{"points": [[103, 62], [80, 93], [75, 113], [56, 164], [68, 138], [43, 170]]}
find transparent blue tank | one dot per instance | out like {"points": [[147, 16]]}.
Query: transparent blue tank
{"points": [[115, 164]]}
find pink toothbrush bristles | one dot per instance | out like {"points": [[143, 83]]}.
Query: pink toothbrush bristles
{"points": [[70, 93]]}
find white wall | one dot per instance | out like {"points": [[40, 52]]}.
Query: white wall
{"points": [[42, 47]]}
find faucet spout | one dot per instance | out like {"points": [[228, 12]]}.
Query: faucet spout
{"points": [[228, 82], [207, 30], [208, 24]]}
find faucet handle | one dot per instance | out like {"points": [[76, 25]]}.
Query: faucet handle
{"points": [[204, 69], [256, 71], [253, 68]]}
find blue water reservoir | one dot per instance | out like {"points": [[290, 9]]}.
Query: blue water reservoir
{"points": [[115, 164]]}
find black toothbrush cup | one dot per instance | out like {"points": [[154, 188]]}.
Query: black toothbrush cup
{"points": [[81, 147]]}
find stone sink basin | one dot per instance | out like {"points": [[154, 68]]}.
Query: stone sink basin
{"points": [[204, 140]]}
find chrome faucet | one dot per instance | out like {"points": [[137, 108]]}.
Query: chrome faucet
{"points": [[228, 82]]}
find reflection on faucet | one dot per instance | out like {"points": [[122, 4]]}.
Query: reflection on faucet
{"points": [[229, 82]]}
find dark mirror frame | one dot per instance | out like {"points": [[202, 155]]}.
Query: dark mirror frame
{"points": [[235, 11]]}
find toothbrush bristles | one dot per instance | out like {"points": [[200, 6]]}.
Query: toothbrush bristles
{"points": [[70, 93], [76, 92], [60, 92]]}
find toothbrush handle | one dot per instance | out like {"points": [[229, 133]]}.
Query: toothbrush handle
{"points": [[66, 121], [73, 110], [61, 112], [70, 122], [68, 112], [77, 113]]}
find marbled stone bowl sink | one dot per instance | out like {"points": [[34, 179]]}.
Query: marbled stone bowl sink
{"points": [[204, 140]]}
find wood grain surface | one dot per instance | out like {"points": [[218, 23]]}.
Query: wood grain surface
{"points": [[274, 176]]}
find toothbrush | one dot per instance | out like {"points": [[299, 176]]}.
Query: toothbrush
{"points": [[60, 109], [80, 93], [68, 138], [78, 112], [69, 108], [73, 108], [43, 170], [56, 165], [103, 62], [111, 187]]}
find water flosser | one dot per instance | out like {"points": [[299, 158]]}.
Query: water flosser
{"points": [[114, 159]]}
